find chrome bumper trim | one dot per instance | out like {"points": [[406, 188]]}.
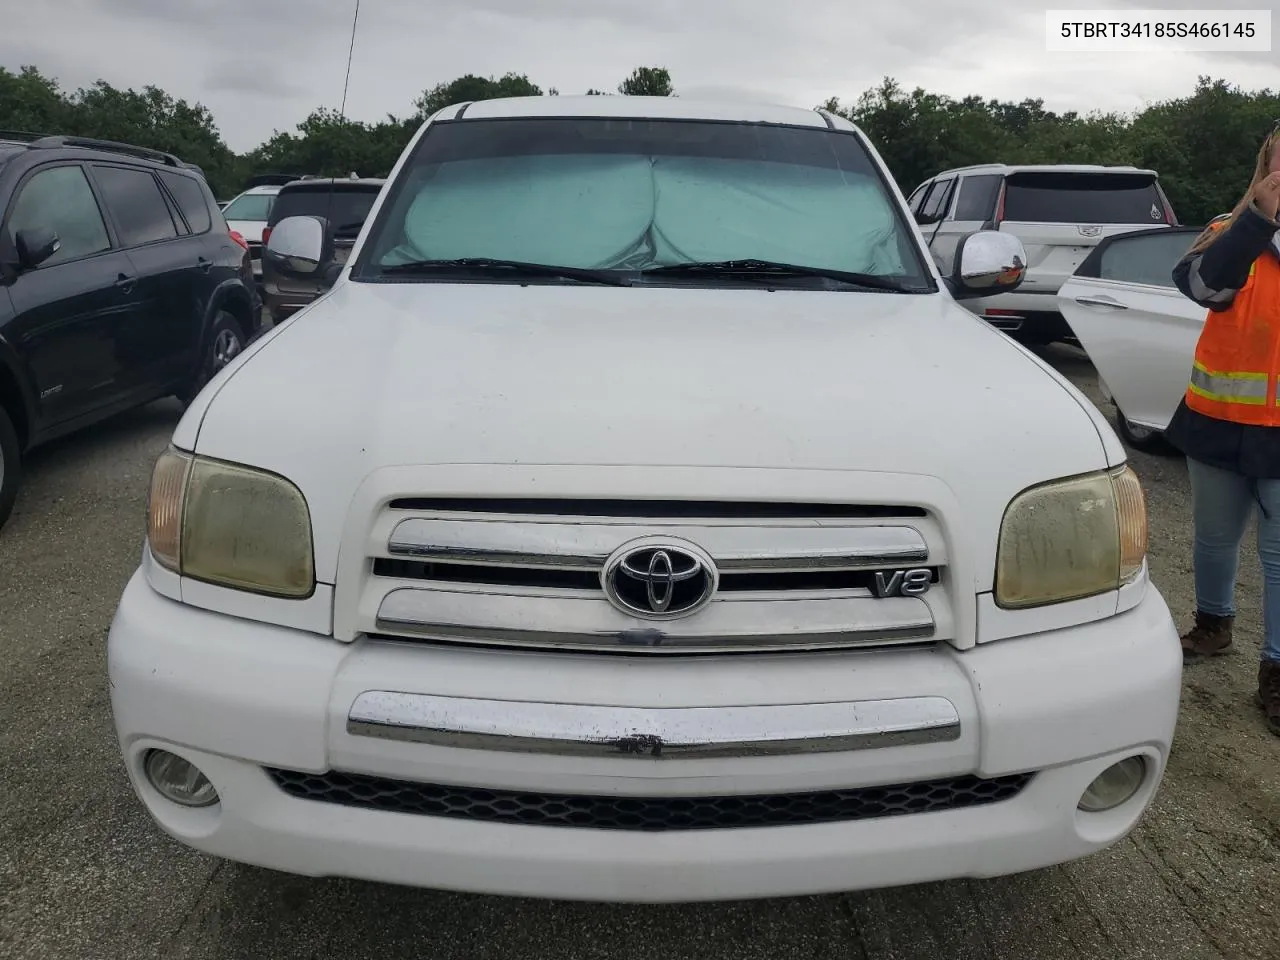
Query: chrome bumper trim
{"points": [[661, 733]]}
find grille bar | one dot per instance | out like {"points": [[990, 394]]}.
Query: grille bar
{"points": [[653, 509], [647, 814], [586, 547], [567, 619]]}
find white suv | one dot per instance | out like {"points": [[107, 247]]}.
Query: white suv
{"points": [[639, 518], [1060, 212]]}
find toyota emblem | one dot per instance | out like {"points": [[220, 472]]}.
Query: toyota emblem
{"points": [[659, 579]]}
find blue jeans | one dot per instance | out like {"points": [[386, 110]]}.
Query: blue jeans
{"points": [[1223, 502]]}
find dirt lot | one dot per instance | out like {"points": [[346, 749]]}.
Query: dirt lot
{"points": [[85, 874]]}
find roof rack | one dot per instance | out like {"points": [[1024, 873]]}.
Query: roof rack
{"points": [[107, 146], [21, 136]]}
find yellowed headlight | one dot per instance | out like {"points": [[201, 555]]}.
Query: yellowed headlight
{"points": [[1071, 538], [230, 525]]}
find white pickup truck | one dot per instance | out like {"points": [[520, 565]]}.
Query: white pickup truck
{"points": [[639, 517]]}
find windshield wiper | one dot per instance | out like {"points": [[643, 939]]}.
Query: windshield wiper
{"points": [[514, 268], [770, 269]]}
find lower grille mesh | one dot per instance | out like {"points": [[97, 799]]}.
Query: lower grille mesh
{"points": [[647, 813]]}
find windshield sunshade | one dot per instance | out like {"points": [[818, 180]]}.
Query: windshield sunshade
{"points": [[596, 204]]}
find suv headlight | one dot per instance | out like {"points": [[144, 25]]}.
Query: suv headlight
{"points": [[230, 525], [1072, 538]]}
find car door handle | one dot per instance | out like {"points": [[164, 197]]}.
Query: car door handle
{"points": [[1101, 302], [125, 283], [204, 264]]}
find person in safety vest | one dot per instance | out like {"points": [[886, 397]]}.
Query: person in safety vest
{"points": [[1228, 423]]}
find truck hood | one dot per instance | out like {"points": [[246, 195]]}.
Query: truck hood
{"points": [[393, 375]]}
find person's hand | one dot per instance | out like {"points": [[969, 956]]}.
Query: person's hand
{"points": [[1267, 196]]}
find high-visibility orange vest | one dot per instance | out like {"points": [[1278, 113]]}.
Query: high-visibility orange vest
{"points": [[1237, 362]]}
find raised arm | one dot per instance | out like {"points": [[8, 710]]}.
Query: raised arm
{"points": [[1212, 277]]}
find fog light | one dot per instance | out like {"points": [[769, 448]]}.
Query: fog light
{"points": [[1116, 784], [178, 780]]}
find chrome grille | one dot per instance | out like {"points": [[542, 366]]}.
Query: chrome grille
{"points": [[530, 573]]}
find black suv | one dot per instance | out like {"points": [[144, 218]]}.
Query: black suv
{"points": [[344, 203], [120, 283]]}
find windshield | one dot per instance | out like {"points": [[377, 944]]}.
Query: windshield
{"points": [[633, 194], [249, 206], [344, 207]]}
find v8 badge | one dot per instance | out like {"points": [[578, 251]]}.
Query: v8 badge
{"points": [[902, 583]]}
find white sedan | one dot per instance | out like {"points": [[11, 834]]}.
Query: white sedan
{"points": [[1138, 328]]}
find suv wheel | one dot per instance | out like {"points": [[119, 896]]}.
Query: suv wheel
{"points": [[10, 466], [1142, 438], [224, 343]]}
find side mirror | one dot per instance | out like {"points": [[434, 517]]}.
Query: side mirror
{"points": [[987, 262], [300, 247], [35, 245]]}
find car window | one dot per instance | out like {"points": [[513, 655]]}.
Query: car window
{"points": [[913, 201], [250, 206], [60, 199], [191, 200], [929, 191], [174, 214], [935, 207], [1148, 259], [346, 208], [631, 194], [136, 204], [1083, 198], [977, 200]]}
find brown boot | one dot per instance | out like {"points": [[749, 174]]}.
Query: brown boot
{"points": [[1269, 693], [1210, 637]]}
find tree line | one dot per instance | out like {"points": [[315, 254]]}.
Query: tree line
{"points": [[1203, 144]]}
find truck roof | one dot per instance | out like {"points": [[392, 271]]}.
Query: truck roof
{"points": [[651, 108]]}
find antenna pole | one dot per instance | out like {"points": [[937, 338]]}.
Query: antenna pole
{"points": [[350, 54], [342, 114]]}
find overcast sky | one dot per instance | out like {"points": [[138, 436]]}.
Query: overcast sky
{"points": [[262, 65]]}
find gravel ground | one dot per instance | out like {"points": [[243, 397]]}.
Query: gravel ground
{"points": [[85, 874]]}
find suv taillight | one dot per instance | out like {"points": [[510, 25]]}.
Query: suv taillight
{"points": [[1000, 207], [239, 238], [266, 235], [1169, 218]]}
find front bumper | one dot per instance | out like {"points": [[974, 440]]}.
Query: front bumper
{"points": [[238, 698]]}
